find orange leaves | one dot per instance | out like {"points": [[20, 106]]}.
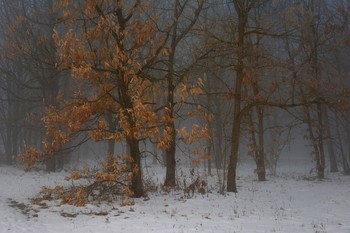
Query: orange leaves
{"points": [[112, 177], [103, 176], [76, 196], [52, 117], [74, 175], [194, 134], [30, 156], [55, 139], [100, 133], [189, 90], [197, 88], [106, 55], [111, 164], [167, 138]]}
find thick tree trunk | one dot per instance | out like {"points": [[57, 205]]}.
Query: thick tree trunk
{"points": [[236, 131], [237, 118], [170, 178], [136, 182], [132, 141], [231, 171]]}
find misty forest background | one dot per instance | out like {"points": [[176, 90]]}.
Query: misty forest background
{"points": [[179, 82]]}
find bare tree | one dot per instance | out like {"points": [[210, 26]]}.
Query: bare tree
{"points": [[29, 44]]}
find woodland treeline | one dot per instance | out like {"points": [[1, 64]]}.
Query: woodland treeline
{"points": [[205, 78]]}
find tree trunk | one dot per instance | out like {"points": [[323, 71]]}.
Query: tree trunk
{"points": [[320, 160], [231, 171], [131, 140], [321, 164], [348, 134], [136, 182], [329, 142], [155, 154], [346, 167], [316, 155], [219, 142], [257, 148], [50, 93], [209, 153], [112, 125], [260, 155], [11, 142], [315, 143], [170, 178], [261, 151], [8, 145], [236, 123]]}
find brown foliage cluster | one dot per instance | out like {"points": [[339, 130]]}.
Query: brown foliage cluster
{"points": [[107, 58], [30, 157], [93, 185]]}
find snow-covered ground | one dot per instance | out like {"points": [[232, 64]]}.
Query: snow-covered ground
{"points": [[284, 203]]}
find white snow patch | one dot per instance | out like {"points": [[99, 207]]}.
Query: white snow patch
{"points": [[284, 203]]}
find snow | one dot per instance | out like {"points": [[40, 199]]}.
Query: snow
{"points": [[286, 202]]}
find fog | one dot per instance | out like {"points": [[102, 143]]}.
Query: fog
{"points": [[207, 86]]}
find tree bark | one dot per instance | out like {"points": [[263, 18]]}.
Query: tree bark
{"points": [[345, 163], [50, 93], [170, 151], [260, 161], [112, 125], [237, 118], [136, 182], [315, 142], [321, 163], [170, 178], [329, 142]]}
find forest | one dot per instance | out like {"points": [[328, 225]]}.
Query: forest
{"points": [[104, 89]]}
